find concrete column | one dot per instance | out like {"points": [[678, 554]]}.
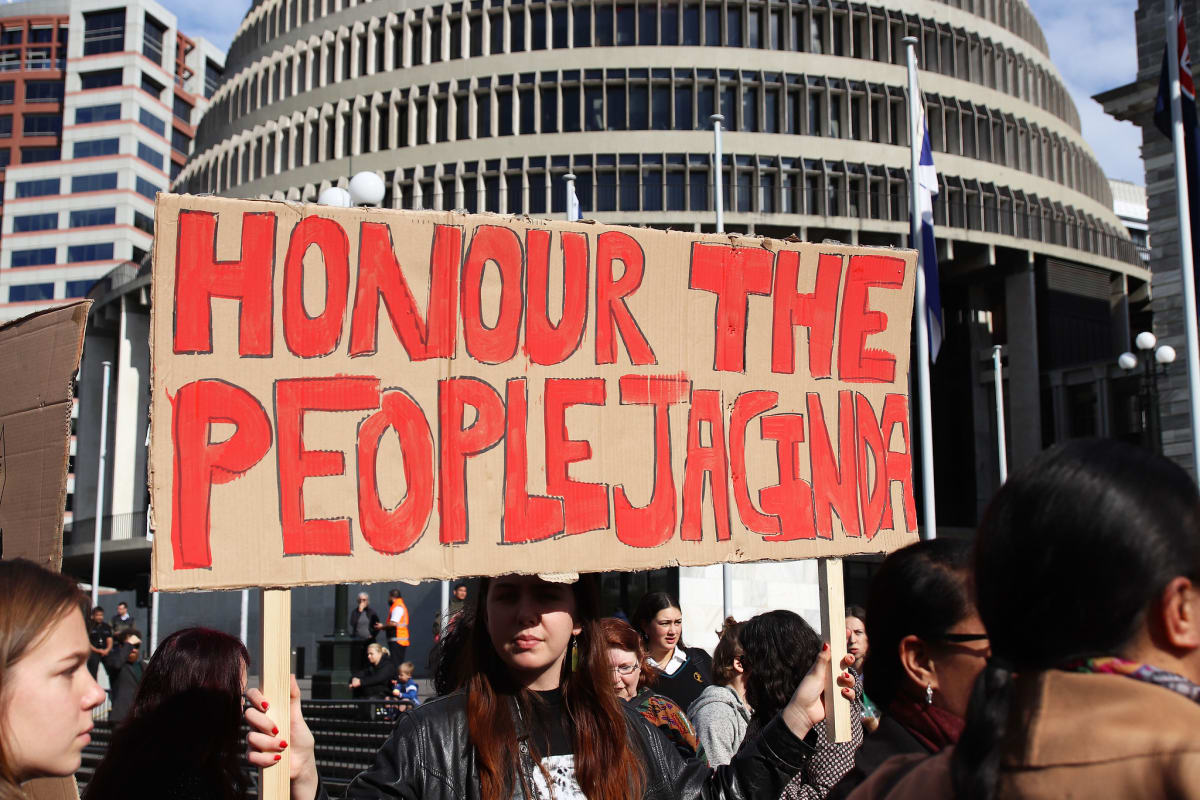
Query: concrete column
{"points": [[1024, 376], [127, 383], [389, 43]]}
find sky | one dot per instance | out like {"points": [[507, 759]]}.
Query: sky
{"points": [[1095, 49], [1092, 43]]}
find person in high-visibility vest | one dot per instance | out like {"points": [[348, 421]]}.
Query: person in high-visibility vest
{"points": [[397, 626]]}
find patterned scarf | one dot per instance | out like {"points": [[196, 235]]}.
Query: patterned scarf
{"points": [[933, 727], [1111, 665]]}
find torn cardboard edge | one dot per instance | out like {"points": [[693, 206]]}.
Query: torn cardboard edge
{"points": [[39, 357]]}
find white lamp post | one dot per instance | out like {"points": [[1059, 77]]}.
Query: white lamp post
{"points": [[1163, 355], [366, 189], [335, 196]]}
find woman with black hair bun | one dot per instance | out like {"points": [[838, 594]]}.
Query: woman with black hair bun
{"points": [[778, 649], [1087, 578], [683, 672], [928, 646]]}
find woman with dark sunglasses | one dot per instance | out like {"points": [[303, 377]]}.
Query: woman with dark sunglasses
{"points": [[927, 647], [1105, 535]]}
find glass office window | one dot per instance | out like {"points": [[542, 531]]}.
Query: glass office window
{"points": [[25, 223], [34, 257]]}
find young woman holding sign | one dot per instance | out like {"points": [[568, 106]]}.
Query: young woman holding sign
{"points": [[1107, 536], [46, 692], [534, 716]]}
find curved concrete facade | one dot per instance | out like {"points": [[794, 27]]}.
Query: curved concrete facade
{"points": [[485, 106]]}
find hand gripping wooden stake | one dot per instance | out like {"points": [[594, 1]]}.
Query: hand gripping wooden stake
{"points": [[275, 782], [833, 623]]}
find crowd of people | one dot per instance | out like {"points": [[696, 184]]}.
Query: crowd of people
{"points": [[1058, 654]]}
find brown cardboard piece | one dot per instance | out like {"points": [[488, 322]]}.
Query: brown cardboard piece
{"points": [[575, 398], [39, 355]]}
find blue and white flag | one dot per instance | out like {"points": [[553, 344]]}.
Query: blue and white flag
{"points": [[927, 186], [573, 212]]}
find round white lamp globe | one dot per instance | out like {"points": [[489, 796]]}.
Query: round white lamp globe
{"points": [[366, 189], [1127, 361], [1165, 354], [1145, 340], [335, 196]]}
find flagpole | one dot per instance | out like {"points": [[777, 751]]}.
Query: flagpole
{"points": [[998, 382], [717, 119], [718, 158], [1183, 211], [920, 312]]}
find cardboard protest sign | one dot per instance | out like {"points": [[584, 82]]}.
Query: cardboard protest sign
{"points": [[39, 355], [364, 394]]}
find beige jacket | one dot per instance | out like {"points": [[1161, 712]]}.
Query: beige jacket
{"points": [[1080, 736]]}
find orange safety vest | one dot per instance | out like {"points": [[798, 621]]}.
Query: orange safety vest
{"points": [[400, 634]]}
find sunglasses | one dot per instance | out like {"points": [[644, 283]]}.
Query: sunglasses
{"points": [[962, 637]]}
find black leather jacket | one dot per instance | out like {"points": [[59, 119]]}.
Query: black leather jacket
{"points": [[429, 756]]}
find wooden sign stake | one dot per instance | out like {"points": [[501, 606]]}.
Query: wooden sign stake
{"points": [[275, 783], [833, 622]]}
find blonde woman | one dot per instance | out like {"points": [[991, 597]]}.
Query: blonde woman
{"points": [[376, 679]]}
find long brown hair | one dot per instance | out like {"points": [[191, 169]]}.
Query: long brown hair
{"points": [[34, 600], [620, 634], [605, 764], [728, 650]]}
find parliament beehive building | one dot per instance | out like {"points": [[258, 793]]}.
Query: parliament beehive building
{"points": [[485, 105]]}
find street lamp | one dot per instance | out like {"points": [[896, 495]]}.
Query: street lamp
{"points": [[367, 189], [340, 652], [335, 196], [1154, 362]]}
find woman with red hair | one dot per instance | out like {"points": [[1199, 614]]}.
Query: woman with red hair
{"points": [[632, 678]]}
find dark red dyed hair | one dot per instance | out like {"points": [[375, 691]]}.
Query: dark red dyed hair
{"points": [[620, 634], [186, 720]]}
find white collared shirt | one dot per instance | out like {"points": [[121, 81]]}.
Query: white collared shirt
{"points": [[678, 659]]}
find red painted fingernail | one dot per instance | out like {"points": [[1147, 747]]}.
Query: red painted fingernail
{"points": [[266, 705], [278, 756], [824, 647], [282, 744], [274, 731]]}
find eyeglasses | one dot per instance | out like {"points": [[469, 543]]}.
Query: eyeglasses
{"points": [[962, 637], [625, 669]]}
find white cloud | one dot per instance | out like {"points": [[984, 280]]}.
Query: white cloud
{"points": [[1117, 145], [1094, 46]]}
